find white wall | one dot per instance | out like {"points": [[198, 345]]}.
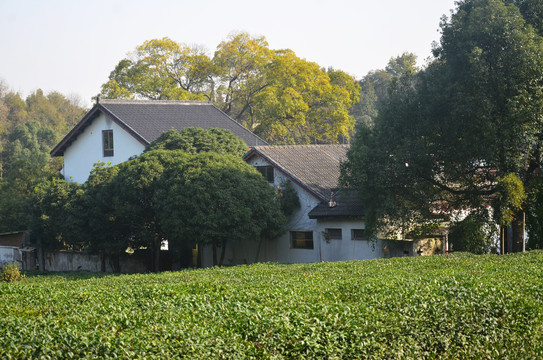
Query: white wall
{"points": [[9, 254], [346, 248], [86, 150]]}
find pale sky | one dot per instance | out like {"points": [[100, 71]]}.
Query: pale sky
{"points": [[71, 46]]}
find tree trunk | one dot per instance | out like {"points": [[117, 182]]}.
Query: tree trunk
{"points": [[223, 250], [518, 232], [156, 255], [102, 261], [258, 249], [214, 246]]}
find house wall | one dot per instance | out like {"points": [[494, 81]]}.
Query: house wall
{"points": [[9, 254], [82, 154], [346, 248]]}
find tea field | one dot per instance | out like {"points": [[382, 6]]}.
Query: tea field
{"points": [[438, 307]]}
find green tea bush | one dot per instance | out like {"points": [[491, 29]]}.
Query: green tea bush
{"points": [[435, 307], [10, 272]]}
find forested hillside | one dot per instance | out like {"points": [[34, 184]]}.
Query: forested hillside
{"points": [[29, 128]]}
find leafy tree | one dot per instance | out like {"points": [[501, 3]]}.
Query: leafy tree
{"points": [[193, 140], [461, 132], [471, 234], [133, 199], [28, 131], [161, 70], [102, 231], [216, 199], [274, 93], [374, 87], [56, 223]]}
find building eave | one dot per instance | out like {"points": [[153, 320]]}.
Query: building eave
{"points": [[254, 152], [93, 113]]}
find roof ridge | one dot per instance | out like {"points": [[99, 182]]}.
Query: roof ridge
{"points": [[155, 102], [301, 145]]}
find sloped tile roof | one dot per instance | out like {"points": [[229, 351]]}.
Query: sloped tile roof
{"points": [[347, 205], [316, 167], [146, 120]]}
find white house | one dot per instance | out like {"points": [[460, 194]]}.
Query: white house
{"points": [[328, 226], [115, 130]]}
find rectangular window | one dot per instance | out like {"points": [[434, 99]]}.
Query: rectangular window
{"points": [[333, 234], [107, 142], [358, 234], [301, 239], [267, 172]]}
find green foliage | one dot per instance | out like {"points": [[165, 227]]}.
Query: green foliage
{"points": [[10, 272], [28, 130], [216, 199], [290, 202], [132, 200], [193, 140], [509, 198], [460, 133], [471, 235], [375, 86], [436, 307], [274, 93], [56, 217]]}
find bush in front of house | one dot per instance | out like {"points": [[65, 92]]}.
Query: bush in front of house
{"points": [[11, 273]]}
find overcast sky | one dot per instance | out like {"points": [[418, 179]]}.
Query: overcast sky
{"points": [[71, 46]]}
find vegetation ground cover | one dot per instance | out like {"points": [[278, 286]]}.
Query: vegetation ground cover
{"points": [[451, 306]]}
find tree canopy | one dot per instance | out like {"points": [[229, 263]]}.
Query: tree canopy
{"points": [[465, 132], [215, 199], [375, 86], [28, 130], [194, 140], [274, 93]]}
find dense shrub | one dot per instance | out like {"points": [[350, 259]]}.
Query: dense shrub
{"points": [[470, 235], [10, 272], [438, 307]]}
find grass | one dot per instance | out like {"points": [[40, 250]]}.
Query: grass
{"points": [[454, 306]]}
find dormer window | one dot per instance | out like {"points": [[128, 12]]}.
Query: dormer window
{"points": [[267, 172], [107, 142]]}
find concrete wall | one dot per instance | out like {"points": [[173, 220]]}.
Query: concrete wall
{"points": [[9, 254], [25, 259], [87, 150], [346, 248], [71, 261]]}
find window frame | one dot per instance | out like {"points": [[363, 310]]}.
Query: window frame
{"points": [[267, 172], [108, 149], [333, 233], [358, 238], [296, 243]]}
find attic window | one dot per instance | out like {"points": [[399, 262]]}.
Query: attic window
{"points": [[107, 142], [267, 172]]}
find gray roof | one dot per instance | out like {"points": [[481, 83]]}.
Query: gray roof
{"points": [[346, 205], [315, 167], [147, 120]]}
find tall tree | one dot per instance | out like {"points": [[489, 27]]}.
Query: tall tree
{"points": [[216, 199], [28, 130], [194, 140], [462, 132], [274, 93], [374, 87]]}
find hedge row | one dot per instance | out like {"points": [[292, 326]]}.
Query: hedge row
{"points": [[404, 308]]}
